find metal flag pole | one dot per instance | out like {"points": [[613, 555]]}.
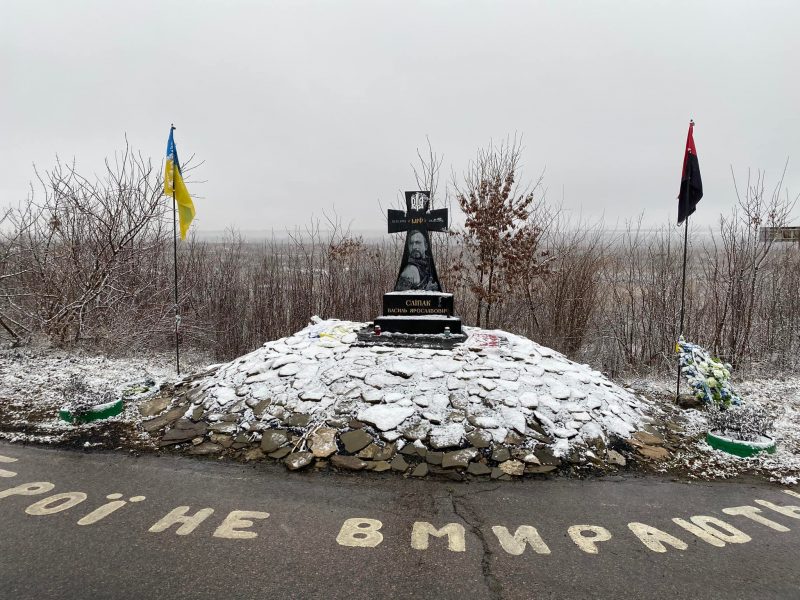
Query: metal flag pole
{"points": [[685, 247], [683, 288], [175, 260]]}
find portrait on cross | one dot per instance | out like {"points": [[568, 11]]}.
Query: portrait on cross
{"points": [[417, 269]]}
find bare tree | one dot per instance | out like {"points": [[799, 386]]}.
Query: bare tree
{"points": [[73, 249], [569, 295], [503, 227], [744, 256], [427, 172]]}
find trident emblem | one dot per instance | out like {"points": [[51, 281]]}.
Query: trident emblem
{"points": [[418, 201]]}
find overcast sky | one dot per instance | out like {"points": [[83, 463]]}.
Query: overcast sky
{"points": [[303, 107]]}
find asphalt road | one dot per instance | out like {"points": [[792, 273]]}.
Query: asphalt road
{"points": [[315, 542]]}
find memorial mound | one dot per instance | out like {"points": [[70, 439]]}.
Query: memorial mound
{"points": [[497, 404]]}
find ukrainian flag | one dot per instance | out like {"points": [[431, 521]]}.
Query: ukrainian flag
{"points": [[174, 186]]}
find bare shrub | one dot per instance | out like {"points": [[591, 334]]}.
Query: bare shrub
{"points": [[80, 397], [746, 422], [642, 295], [503, 226], [563, 303], [739, 271], [71, 250]]}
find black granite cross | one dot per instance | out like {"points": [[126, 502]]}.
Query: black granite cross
{"points": [[417, 216], [417, 271]]}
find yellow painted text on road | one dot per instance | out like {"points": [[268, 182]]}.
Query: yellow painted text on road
{"points": [[5, 472]]}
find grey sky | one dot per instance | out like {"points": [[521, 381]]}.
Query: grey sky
{"points": [[300, 107]]}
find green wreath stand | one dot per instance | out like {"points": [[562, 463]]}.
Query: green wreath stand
{"points": [[740, 447]]}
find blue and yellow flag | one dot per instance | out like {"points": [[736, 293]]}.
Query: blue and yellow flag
{"points": [[173, 184]]}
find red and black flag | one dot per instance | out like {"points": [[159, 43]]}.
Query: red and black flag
{"points": [[691, 184]]}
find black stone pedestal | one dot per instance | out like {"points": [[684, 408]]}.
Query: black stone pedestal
{"points": [[428, 325], [418, 312], [415, 304], [367, 337], [416, 318]]}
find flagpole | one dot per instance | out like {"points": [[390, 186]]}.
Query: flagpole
{"points": [[175, 264], [683, 287], [690, 154], [685, 248]]}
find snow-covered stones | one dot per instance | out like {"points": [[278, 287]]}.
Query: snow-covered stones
{"points": [[273, 439], [224, 395], [559, 391], [446, 436], [459, 458], [314, 395], [289, 370], [513, 418], [381, 380], [317, 392], [284, 360], [402, 369], [385, 417], [371, 395]]}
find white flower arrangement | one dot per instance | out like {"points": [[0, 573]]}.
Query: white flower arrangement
{"points": [[708, 377]]}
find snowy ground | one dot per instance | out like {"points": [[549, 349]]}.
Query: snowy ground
{"points": [[497, 388], [695, 458], [31, 381]]}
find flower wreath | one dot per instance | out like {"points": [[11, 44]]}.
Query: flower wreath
{"points": [[708, 377]]}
